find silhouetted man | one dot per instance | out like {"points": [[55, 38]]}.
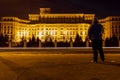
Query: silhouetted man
{"points": [[95, 35]]}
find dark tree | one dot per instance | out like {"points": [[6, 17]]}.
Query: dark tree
{"points": [[112, 41], [3, 40], [48, 42], [33, 39], [37, 41], [115, 41], [29, 43], [78, 38], [21, 42], [78, 41], [6, 38], [107, 42], [71, 39]]}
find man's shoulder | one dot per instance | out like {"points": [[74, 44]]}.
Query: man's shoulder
{"points": [[100, 24]]}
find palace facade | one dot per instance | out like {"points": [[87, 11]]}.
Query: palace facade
{"points": [[56, 26]]}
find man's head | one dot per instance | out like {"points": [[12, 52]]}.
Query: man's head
{"points": [[95, 20]]}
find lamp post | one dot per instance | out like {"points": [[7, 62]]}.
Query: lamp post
{"points": [[40, 45], [87, 42], [71, 42], [24, 39]]}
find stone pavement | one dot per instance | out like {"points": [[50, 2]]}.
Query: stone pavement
{"points": [[58, 67]]}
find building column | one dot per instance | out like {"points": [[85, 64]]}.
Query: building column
{"points": [[24, 43], [55, 43], [87, 43], [10, 43], [103, 43], [40, 45], [71, 43]]}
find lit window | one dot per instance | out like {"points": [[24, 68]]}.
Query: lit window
{"points": [[55, 33], [81, 33], [61, 28], [73, 33], [62, 33], [67, 33], [80, 28], [70, 33], [42, 33]]}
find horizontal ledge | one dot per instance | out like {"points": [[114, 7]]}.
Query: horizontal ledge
{"points": [[59, 49]]}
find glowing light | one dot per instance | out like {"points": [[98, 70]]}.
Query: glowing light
{"points": [[40, 35], [51, 33], [18, 34], [24, 33], [83, 32], [65, 32]]}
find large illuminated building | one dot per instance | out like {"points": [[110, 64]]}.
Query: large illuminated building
{"points": [[111, 25], [55, 26]]}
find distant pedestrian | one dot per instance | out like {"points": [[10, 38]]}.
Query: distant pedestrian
{"points": [[95, 35]]}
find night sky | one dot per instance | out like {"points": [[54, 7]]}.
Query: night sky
{"points": [[21, 8]]}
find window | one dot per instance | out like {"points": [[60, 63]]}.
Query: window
{"points": [[81, 33], [70, 32], [42, 29], [61, 28], [85, 33], [67, 33], [81, 29], [73, 33], [62, 33], [55, 33], [42, 33]]}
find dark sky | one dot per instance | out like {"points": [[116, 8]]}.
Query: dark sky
{"points": [[21, 8]]}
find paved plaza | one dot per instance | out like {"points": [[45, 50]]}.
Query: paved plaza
{"points": [[36, 66]]}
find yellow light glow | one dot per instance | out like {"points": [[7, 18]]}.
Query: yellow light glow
{"points": [[65, 32], [51, 33], [40, 35], [18, 34], [83, 32]]}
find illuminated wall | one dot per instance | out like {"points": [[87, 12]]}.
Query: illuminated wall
{"points": [[111, 25], [56, 26], [55, 31]]}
